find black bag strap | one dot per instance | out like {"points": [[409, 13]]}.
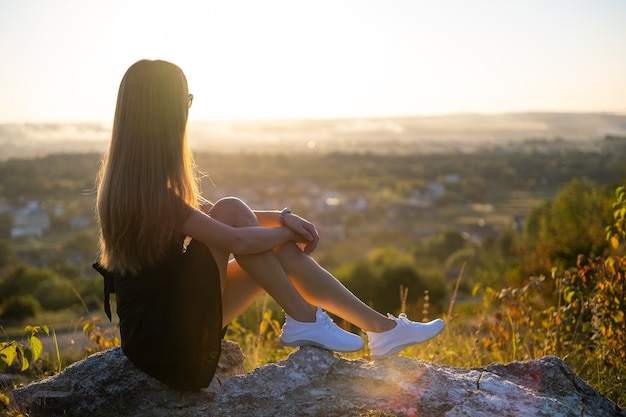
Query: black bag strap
{"points": [[109, 287]]}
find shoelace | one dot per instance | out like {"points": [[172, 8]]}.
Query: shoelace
{"points": [[401, 318], [326, 321]]}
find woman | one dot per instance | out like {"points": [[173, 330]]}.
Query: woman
{"points": [[166, 252]]}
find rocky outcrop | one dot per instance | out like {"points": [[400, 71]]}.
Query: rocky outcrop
{"points": [[314, 382], [107, 384]]}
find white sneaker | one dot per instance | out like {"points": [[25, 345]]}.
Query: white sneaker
{"points": [[405, 334], [323, 333]]}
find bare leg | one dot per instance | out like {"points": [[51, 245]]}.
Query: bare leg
{"points": [[319, 287], [316, 285], [264, 268], [240, 292]]}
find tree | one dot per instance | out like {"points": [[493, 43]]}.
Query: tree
{"points": [[445, 244], [378, 279], [7, 254], [50, 289], [571, 224], [6, 224]]}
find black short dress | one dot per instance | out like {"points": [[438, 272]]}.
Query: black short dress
{"points": [[171, 315]]}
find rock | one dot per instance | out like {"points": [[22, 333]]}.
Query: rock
{"points": [[107, 384], [314, 382]]}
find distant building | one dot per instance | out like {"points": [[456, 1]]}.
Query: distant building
{"points": [[31, 220], [425, 197], [452, 178], [436, 190]]}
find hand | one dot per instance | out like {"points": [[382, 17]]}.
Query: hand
{"points": [[305, 231]]}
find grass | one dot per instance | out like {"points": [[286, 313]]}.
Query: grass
{"points": [[62, 320]]}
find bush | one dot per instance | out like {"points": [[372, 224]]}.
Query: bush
{"points": [[15, 351], [21, 279], [20, 307], [51, 290], [583, 321], [56, 294], [573, 223], [378, 281]]}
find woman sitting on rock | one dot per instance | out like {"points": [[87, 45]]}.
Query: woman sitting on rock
{"points": [[166, 252]]}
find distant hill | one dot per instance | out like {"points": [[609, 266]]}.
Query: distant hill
{"points": [[27, 140]]}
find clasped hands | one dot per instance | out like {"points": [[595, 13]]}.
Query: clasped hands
{"points": [[305, 232]]}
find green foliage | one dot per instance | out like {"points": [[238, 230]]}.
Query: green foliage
{"points": [[7, 254], [6, 223], [259, 337], [445, 244], [19, 307], [584, 322], [55, 294], [54, 175], [21, 279], [591, 317], [51, 290], [466, 255], [377, 280], [16, 351], [84, 242], [513, 329], [616, 232], [584, 325], [572, 224], [72, 286]]}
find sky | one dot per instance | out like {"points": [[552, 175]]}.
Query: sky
{"points": [[62, 60]]}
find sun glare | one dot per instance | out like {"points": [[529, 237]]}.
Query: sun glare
{"points": [[251, 60]]}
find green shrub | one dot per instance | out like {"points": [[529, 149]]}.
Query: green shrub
{"points": [[56, 294], [20, 307], [581, 320], [21, 279], [16, 351], [378, 280], [52, 290]]}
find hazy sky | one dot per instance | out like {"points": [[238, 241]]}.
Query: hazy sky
{"points": [[62, 60]]}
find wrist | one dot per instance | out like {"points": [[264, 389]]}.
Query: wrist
{"points": [[283, 214]]}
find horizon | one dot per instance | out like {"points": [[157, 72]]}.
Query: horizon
{"points": [[307, 135], [333, 118], [319, 61]]}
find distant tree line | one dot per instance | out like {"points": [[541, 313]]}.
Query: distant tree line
{"points": [[72, 175]]}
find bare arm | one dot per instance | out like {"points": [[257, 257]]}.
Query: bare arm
{"points": [[268, 218], [296, 223], [239, 240], [271, 218]]}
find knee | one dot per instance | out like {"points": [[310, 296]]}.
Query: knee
{"points": [[233, 211], [287, 249]]}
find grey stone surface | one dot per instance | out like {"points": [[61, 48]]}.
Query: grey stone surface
{"points": [[314, 382]]}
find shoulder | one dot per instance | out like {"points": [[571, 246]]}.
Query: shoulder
{"points": [[181, 209]]}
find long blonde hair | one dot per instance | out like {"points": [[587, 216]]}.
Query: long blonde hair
{"points": [[148, 168]]}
